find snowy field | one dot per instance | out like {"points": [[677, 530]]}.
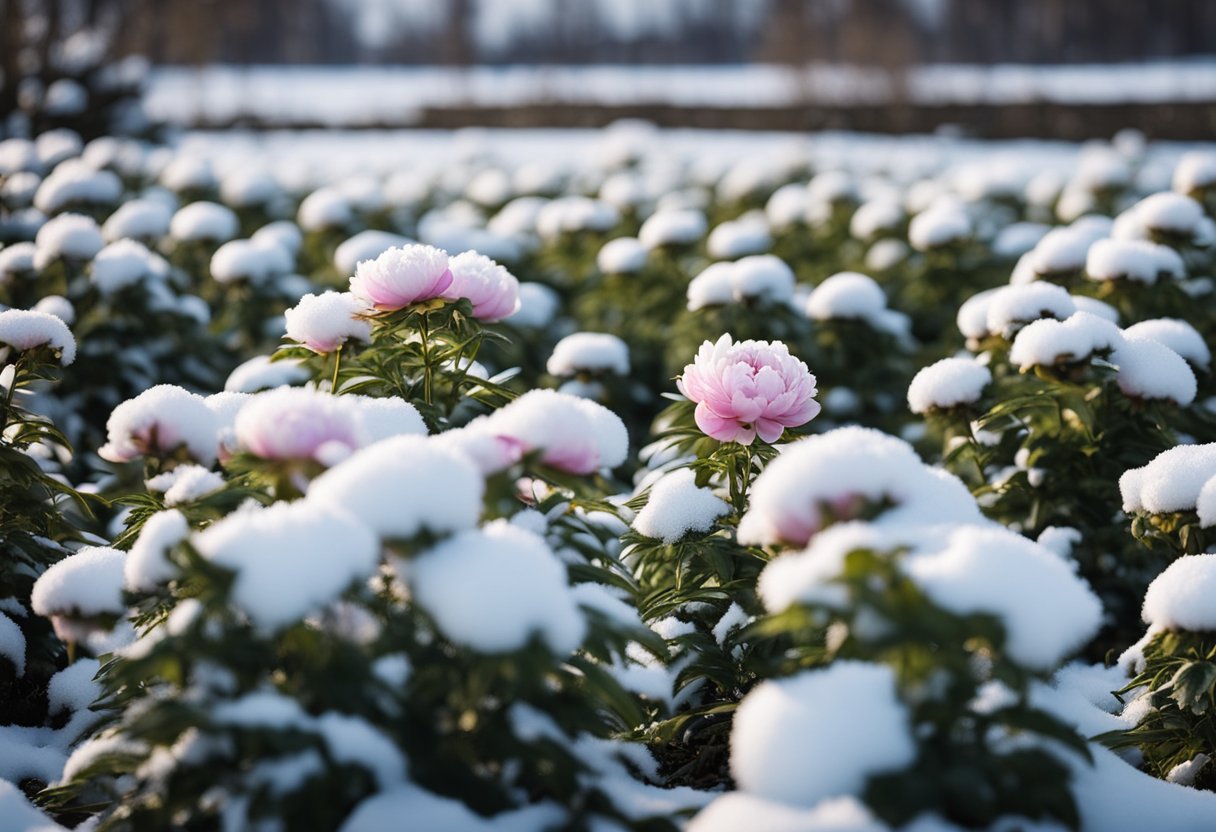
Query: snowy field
{"points": [[627, 479], [311, 158], [376, 95]]}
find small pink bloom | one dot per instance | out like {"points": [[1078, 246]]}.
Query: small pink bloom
{"points": [[493, 291], [294, 423], [748, 389], [401, 276], [159, 422], [572, 434]]}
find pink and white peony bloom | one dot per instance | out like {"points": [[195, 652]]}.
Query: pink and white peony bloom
{"points": [[296, 423], [747, 389], [572, 434], [493, 291], [401, 276], [160, 421], [327, 321]]}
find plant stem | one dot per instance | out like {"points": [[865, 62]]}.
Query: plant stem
{"points": [[333, 386], [424, 329], [8, 394]]}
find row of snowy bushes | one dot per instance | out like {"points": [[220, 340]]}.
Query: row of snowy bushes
{"points": [[800, 499]]}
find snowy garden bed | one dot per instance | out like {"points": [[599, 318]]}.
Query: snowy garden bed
{"points": [[613, 480]]}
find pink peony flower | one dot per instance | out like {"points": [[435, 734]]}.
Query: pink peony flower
{"points": [[748, 389], [401, 276], [324, 322], [297, 423], [493, 291], [159, 422]]}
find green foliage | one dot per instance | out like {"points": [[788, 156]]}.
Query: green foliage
{"points": [[1179, 681]]}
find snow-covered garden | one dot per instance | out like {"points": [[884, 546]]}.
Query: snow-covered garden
{"points": [[606, 480]]}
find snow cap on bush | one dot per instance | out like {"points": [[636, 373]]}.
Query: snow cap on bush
{"points": [[572, 434], [876, 216], [1179, 335], [1137, 260], [401, 276], [1170, 482], [589, 352], [79, 587], [1046, 342], [204, 221], [571, 214], [403, 485], [782, 728], [70, 236], [1010, 308], [748, 389], [17, 259], [327, 321], [493, 291], [283, 232], [24, 330], [144, 219], [492, 589], [676, 506], [185, 484], [75, 182], [844, 469], [1180, 598], [846, 295], [948, 383], [760, 277], [939, 226], [1150, 370], [1165, 212], [381, 418], [124, 263], [623, 255], [1046, 610], [290, 558], [147, 565], [188, 172], [159, 421], [748, 234], [673, 227], [324, 208], [254, 260]]}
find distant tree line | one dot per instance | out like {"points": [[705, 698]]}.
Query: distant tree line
{"points": [[888, 33]]}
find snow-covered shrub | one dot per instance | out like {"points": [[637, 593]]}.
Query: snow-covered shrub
{"points": [[912, 634], [1171, 692], [1055, 404], [36, 524]]}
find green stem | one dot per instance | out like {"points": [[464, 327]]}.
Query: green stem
{"points": [[333, 386], [424, 329], [8, 394]]}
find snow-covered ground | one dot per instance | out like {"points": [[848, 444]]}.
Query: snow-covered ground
{"points": [[394, 95], [308, 158]]}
